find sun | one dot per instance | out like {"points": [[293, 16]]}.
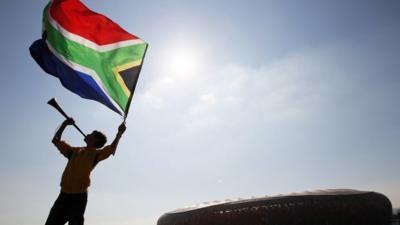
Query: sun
{"points": [[182, 59]]}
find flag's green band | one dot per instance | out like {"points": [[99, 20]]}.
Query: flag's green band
{"points": [[101, 62]]}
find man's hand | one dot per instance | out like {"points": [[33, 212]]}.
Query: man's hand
{"points": [[121, 128], [69, 121]]}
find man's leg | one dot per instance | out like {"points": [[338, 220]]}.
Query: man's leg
{"points": [[58, 213], [77, 209]]}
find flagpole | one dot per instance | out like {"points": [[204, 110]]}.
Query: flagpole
{"points": [[130, 98]]}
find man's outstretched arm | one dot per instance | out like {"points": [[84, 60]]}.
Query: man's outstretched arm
{"points": [[110, 149]]}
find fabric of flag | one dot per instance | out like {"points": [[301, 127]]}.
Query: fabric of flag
{"points": [[90, 54]]}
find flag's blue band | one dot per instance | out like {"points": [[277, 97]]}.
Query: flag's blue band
{"points": [[75, 81]]}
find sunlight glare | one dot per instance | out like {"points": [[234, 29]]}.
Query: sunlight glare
{"points": [[182, 60]]}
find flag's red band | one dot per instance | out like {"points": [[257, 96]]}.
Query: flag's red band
{"points": [[76, 18]]}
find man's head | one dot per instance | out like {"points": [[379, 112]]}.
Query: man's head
{"points": [[95, 139]]}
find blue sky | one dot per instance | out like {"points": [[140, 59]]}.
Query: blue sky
{"points": [[236, 99]]}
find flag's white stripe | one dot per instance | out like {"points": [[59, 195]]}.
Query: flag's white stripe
{"points": [[87, 71], [89, 43]]}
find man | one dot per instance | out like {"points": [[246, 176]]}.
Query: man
{"points": [[71, 203]]}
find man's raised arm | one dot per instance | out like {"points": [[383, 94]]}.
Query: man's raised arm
{"points": [[121, 130], [110, 149], [63, 147], [57, 135]]}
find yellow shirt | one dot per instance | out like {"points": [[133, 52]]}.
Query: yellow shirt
{"points": [[81, 161]]}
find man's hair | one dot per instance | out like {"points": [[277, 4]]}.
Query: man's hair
{"points": [[101, 139]]}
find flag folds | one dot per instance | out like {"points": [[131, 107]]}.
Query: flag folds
{"points": [[90, 54]]}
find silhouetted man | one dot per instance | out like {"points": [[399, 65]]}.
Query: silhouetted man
{"points": [[71, 203]]}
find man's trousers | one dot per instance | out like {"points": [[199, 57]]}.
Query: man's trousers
{"points": [[68, 208]]}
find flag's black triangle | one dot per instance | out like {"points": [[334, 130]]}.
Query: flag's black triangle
{"points": [[130, 77]]}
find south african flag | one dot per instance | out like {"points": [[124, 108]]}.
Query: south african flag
{"points": [[90, 54]]}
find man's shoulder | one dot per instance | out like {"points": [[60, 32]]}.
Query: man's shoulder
{"points": [[61, 143]]}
